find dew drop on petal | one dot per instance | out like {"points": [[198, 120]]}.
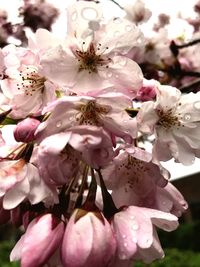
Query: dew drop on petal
{"points": [[128, 28], [74, 15], [135, 227], [132, 217], [125, 245], [139, 40], [59, 124], [124, 236], [197, 105], [89, 13], [187, 116]]}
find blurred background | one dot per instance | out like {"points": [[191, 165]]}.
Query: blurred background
{"points": [[21, 18]]}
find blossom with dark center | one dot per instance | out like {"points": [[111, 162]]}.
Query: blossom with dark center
{"points": [[174, 119], [27, 90], [90, 60]]}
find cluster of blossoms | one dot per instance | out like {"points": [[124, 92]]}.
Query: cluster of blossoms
{"points": [[172, 43], [72, 170], [31, 16]]}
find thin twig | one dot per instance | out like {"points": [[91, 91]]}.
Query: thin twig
{"points": [[116, 4]]}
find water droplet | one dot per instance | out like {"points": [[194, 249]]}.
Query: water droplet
{"points": [[132, 217], [128, 28], [187, 116], [117, 33], [125, 245], [116, 76], [59, 124], [109, 74], [74, 15], [135, 227], [89, 13], [124, 236], [197, 105]]}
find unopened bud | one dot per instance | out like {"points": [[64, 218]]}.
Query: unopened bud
{"points": [[25, 130]]}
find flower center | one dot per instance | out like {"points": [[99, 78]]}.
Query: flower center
{"points": [[167, 120], [90, 60], [91, 113], [31, 81]]}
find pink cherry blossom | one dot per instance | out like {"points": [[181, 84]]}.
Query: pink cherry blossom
{"points": [[107, 110], [59, 155], [20, 180], [137, 13], [174, 119], [88, 235], [57, 161], [134, 231], [92, 60], [43, 236], [141, 178], [25, 86]]}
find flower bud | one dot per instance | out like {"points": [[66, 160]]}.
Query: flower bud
{"points": [[39, 243], [25, 130], [88, 235], [147, 91]]}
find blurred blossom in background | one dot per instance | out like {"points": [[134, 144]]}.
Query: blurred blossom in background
{"points": [[165, 52]]}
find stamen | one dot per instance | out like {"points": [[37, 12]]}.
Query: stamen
{"points": [[31, 81], [168, 119], [90, 60], [91, 113]]}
